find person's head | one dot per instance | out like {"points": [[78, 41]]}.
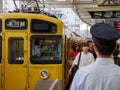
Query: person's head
{"points": [[104, 38], [76, 46], [90, 43], [115, 53], [85, 47], [118, 47]]}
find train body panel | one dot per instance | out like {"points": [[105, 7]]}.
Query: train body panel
{"points": [[0, 76], [54, 72], [32, 52]]}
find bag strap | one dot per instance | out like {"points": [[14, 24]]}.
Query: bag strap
{"points": [[79, 58]]}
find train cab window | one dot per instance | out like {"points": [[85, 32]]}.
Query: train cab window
{"points": [[15, 50], [46, 50], [0, 48], [39, 26]]}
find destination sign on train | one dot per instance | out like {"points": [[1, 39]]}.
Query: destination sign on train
{"points": [[16, 24]]}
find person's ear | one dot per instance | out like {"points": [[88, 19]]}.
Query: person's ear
{"points": [[95, 47]]}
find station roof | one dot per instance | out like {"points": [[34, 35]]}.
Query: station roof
{"points": [[80, 7]]}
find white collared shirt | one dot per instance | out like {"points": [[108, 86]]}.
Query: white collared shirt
{"points": [[100, 75]]}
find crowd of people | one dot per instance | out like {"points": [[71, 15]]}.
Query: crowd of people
{"points": [[99, 61]]}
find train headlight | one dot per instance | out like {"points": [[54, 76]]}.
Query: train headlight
{"points": [[44, 74]]}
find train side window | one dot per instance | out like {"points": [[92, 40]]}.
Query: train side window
{"points": [[0, 25], [15, 50], [47, 50], [39, 26], [0, 48]]}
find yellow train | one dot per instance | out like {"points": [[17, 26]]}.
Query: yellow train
{"points": [[32, 52]]}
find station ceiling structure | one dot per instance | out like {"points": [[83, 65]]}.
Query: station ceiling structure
{"points": [[80, 7]]}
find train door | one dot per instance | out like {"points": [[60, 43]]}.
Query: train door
{"points": [[0, 63], [15, 61], [0, 55]]}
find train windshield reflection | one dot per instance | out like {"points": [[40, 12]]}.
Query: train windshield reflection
{"points": [[46, 50]]}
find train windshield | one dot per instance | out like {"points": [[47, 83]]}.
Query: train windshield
{"points": [[46, 49]]}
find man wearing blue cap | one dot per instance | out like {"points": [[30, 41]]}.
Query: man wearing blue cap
{"points": [[103, 74]]}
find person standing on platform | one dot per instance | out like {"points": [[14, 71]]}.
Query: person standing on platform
{"points": [[103, 74], [91, 49], [116, 55], [86, 58], [73, 53], [75, 50]]}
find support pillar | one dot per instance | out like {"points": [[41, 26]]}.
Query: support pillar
{"points": [[1, 6]]}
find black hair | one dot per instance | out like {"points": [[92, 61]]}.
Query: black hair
{"points": [[90, 41], [117, 46], [85, 44], [105, 47], [74, 46], [115, 53]]}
